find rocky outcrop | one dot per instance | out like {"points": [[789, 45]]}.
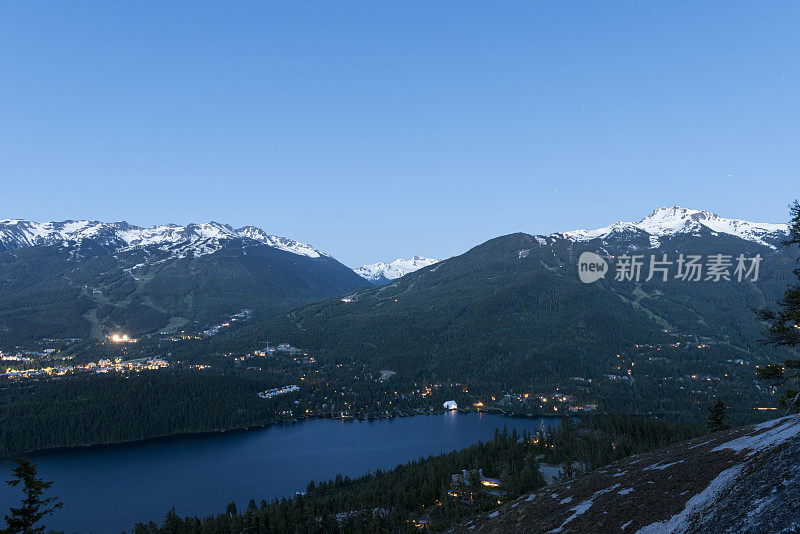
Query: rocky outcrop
{"points": [[741, 480]]}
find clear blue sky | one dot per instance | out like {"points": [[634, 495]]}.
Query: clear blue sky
{"points": [[374, 130]]}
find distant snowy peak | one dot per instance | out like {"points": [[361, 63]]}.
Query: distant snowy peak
{"points": [[381, 271], [674, 220], [191, 239]]}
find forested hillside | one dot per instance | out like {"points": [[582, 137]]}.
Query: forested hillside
{"points": [[512, 311]]}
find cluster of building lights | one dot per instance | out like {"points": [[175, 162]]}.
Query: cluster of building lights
{"points": [[121, 338], [103, 366]]}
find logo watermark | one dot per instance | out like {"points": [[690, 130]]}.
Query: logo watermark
{"points": [[686, 267], [591, 267]]}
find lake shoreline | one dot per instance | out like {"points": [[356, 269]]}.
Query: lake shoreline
{"points": [[182, 436]]}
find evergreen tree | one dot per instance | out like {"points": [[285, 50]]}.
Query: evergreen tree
{"points": [[35, 507], [716, 417], [783, 326]]}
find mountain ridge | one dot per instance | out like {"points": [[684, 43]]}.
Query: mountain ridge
{"points": [[662, 222], [671, 220], [22, 233]]}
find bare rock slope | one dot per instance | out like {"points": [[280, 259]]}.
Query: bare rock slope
{"points": [[742, 480]]}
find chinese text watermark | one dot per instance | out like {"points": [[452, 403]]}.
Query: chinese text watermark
{"points": [[660, 267]]}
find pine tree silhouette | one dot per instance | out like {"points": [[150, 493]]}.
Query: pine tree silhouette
{"points": [[35, 507]]}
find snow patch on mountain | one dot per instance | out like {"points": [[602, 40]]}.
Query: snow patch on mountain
{"points": [[276, 241], [180, 241], [377, 272], [673, 220]]}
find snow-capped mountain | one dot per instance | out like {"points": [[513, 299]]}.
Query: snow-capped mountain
{"points": [[75, 279], [677, 220], [192, 240], [381, 272]]}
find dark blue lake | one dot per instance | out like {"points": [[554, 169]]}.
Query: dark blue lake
{"points": [[109, 489]]}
